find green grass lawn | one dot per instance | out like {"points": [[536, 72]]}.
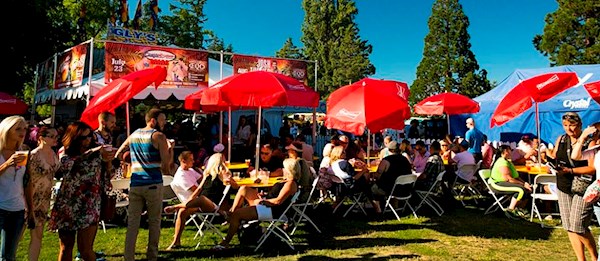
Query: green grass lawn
{"points": [[463, 234]]}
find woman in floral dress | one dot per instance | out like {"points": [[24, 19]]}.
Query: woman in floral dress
{"points": [[76, 212], [43, 164]]}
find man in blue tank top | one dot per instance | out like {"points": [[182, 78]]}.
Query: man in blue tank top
{"points": [[151, 156]]}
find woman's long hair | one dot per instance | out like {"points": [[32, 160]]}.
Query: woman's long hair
{"points": [[5, 127], [214, 164], [71, 140], [293, 167]]}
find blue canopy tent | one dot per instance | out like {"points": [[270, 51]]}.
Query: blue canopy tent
{"points": [[574, 99]]}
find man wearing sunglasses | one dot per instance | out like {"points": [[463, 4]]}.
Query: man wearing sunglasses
{"points": [[273, 164]]}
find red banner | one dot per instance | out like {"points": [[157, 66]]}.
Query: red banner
{"points": [[292, 68], [186, 68], [70, 67]]}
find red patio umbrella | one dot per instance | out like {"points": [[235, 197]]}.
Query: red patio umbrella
{"points": [[256, 90], [11, 105], [368, 103], [192, 101], [535, 89], [119, 91], [593, 89], [446, 103]]}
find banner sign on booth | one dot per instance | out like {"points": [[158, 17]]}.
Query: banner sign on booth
{"points": [[126, 35], [186, 68], [292, 68], [45, 73], [70, 67]]}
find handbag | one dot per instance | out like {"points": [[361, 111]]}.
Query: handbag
{"points": [[580, 184], [108, 206], [592, 193]]}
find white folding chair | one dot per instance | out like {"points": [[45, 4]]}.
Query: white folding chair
{"points": [[300, 209], [433, 191], [462, 190], [274, 227], [168, 193], [401, 180], [541, 180], [484, 174], [118, 184], [207, 219]]}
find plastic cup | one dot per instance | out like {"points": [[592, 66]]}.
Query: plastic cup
{"points": [[247, 162], [236, 176], [24, 162], [227, 163]]}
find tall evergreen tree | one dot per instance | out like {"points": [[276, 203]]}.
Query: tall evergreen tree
{"points": [[571, 34], [218, 44], [448, 65], [185, 26], [289, 50], [331, 37]]}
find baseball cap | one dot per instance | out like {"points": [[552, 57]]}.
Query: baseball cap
{"points": [[297, 146], [344, 138], [218, 148]]}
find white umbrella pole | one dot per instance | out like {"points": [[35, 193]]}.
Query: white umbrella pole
{"points": [[221, 127], [537, 124], [448, 120], [127, 118], [257, 156], [229, 134], [368, 146]]}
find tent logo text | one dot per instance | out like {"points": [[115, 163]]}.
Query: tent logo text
{"points": [[348, 114], [577, 104], [552, 79], [13, 101]]}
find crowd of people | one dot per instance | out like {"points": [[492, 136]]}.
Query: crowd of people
{"points": [[85, 160]]}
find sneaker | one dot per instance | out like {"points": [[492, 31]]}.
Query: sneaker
{"points": [[512, 214]]}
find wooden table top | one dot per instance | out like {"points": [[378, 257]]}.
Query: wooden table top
{"points": [[534, 170], [250, 182]]}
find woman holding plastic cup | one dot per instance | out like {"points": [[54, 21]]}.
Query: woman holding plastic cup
{"points": [[43, 166], [12, 199], [86, 174]]}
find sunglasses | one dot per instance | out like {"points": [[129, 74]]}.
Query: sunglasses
{"points": [[571, 117], [264, 153], [83, 137], [51, 136]]}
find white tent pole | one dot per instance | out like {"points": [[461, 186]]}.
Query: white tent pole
{"points": [[90, 71], [35, 87], [221, 113], [314, 132], [229, 134], [257, 153], [52, 118]]}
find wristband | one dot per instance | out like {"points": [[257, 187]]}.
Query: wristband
{"points": [[571, 171]]}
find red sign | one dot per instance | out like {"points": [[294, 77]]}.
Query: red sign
{"points": [[186, 68], [70, 67], [292, 68]]}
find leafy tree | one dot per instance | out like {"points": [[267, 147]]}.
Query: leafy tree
{"points": [[218, 44], [185, 27], [571, 34], [448, 65], [289, 50], [331, 37]]}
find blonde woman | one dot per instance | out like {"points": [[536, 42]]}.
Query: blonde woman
{"points": [[265, 208], [12, 198], [43, 166]]}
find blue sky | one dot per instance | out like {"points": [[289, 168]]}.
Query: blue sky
{"points": [[501, 31]]}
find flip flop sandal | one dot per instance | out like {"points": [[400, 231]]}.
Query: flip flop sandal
{"points": [[218, 248]]}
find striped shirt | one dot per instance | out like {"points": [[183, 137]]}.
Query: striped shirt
{"points": [[145, 159]]}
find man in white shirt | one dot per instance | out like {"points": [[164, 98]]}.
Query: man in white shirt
{"points": [[526, 150], [421, 156], [184, 184], [307, 150], [461, 158]]}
